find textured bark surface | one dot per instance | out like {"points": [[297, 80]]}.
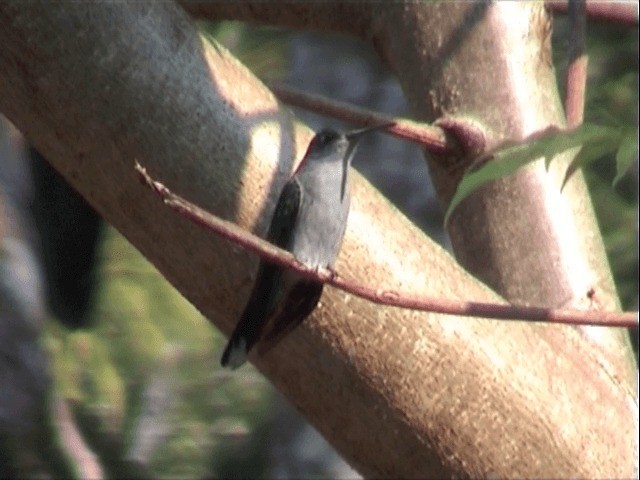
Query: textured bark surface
{"points": [[400, 394]]}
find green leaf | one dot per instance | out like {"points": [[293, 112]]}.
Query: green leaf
{"points": [[626, 154], [585, 134], [593, 149], [547, 145]]}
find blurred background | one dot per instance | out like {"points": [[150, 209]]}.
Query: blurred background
{"points": [[107, 371]]}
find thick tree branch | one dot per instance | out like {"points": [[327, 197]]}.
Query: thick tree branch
{"points": [[95, 86]]}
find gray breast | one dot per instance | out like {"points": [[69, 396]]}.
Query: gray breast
{"points": [[322, 217]]}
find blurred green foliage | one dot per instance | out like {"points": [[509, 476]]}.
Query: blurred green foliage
{"points": [[145, 335]]}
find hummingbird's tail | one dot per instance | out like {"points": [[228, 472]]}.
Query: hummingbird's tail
{"points": [[266, 327], [254, 318], [235, 354], [247, 332]]}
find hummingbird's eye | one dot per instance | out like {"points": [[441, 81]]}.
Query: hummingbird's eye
{"points": [[323, 138]]}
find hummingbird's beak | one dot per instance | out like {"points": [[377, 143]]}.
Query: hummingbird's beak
{"points": [[356, 134], [353, 138]]}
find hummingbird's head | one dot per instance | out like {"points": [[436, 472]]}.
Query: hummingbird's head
{"points": [[330, 146], [327, 145]]}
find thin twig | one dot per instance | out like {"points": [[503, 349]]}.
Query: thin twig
{"points": [[269, 252], [577, 68], [430, 137], [622, 13], [84, 460]]}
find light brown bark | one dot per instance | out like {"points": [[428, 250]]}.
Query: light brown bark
{"points": [[400, 394]]}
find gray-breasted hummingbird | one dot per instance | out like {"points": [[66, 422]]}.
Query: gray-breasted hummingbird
{"points": [[309, 221]]}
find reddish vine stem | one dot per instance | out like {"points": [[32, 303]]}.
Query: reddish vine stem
{"points": [[622, 13], [430, 137], [577, 69], [269, 252]]}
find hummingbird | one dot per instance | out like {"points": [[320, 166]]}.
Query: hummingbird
{"points": [[310, 220]]}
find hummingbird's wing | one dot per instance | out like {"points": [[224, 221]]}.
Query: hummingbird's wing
{"points": [[299, 303], [265, 291], [285, 214]]}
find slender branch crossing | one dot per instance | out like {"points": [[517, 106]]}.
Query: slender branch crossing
{"points": [[433, 138], [624, 13], [577, 69], [267, 251]]}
